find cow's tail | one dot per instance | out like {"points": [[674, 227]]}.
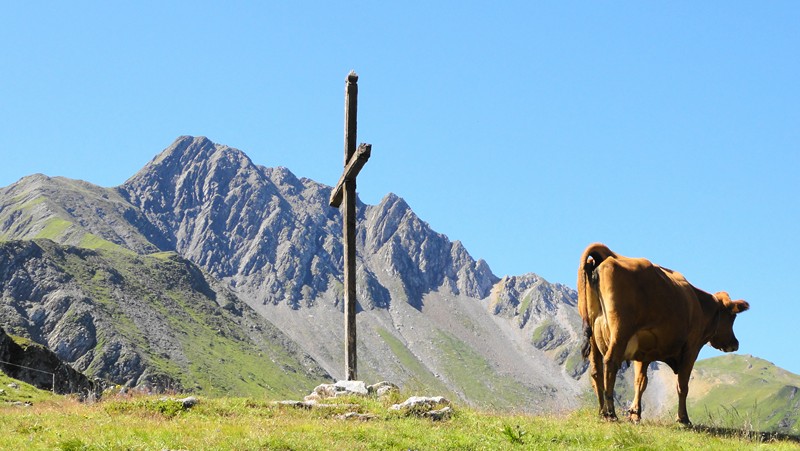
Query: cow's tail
{"points": [[588, 285]]}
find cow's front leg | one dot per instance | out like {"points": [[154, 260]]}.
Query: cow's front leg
{"points": [[640, 384], [683, 390]]}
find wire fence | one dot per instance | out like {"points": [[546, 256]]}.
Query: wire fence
{"points": [[33, 369]]}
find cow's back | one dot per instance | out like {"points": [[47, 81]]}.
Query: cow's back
{"points": [[650, 309]]}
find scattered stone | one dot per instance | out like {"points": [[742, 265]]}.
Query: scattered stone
{"points": [[382, 389], [436, 408], [350, 388], [340, 388], [13, 385], [356, 416], [421, 403], [386, 391], [297, 404], [335, 406], [188, 402], [440, 415], [21, 404], [324, 391], [426, 407]]}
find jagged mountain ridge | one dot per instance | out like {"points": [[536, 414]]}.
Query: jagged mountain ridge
{"points": [[272, 238]]}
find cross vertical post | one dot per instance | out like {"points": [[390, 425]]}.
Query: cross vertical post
{"points": [[350, 115], [344, 194]]}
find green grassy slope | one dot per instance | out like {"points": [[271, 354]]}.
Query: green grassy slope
{"points": [[245, 424], [737, 389], [163, 314], [57, 208], [15, 391], [422, 379], [473, 374]]}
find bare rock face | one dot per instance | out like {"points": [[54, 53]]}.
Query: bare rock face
{"points": [[406, 247], [274, 237], [264, 230], [544, 312], [527, 296], [267, 233]]}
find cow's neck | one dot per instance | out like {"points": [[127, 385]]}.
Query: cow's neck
{"points": [[711, 311]]}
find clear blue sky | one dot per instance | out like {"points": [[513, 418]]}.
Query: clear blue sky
{"points": [[526, 130]]}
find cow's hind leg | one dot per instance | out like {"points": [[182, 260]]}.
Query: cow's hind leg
{"points": [[611, 363], [596, 371], [640, 384]]}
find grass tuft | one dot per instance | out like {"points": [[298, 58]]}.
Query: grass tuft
{"points": [[73, 444], [514, 434], [163, 407]]}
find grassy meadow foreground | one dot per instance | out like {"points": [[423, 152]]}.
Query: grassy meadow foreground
{"points": [[157, 423]]}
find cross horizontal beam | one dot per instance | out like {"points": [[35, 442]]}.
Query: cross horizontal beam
{"points": [[357, 161]]}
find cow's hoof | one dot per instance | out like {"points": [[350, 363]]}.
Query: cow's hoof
{"points": [[610, 417], [684, 422], [635, 418]]}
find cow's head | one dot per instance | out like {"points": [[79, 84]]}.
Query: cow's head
{"points": [[724, 339]]}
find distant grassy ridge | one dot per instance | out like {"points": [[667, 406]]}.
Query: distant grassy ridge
{"points": [[55, 208], [153, 423], [745, 389]]}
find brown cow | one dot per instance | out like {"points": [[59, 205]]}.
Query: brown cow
{"points": [[635, 310]]}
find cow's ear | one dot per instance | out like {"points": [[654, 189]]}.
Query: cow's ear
{"points": [[723, 298], [739, 306], [734, 306]]}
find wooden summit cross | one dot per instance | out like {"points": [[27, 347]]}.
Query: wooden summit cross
{"points": [[345, 190]]}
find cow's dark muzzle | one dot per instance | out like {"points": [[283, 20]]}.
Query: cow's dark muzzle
{"points": [[733, 347]]}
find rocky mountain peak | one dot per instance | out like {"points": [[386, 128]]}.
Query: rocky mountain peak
{"points": [[423, 259], [30, 180], [196, 192], [190, 163], [188, 150], [386, 218], [275, 236], [528, 295], [121, 316]]}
